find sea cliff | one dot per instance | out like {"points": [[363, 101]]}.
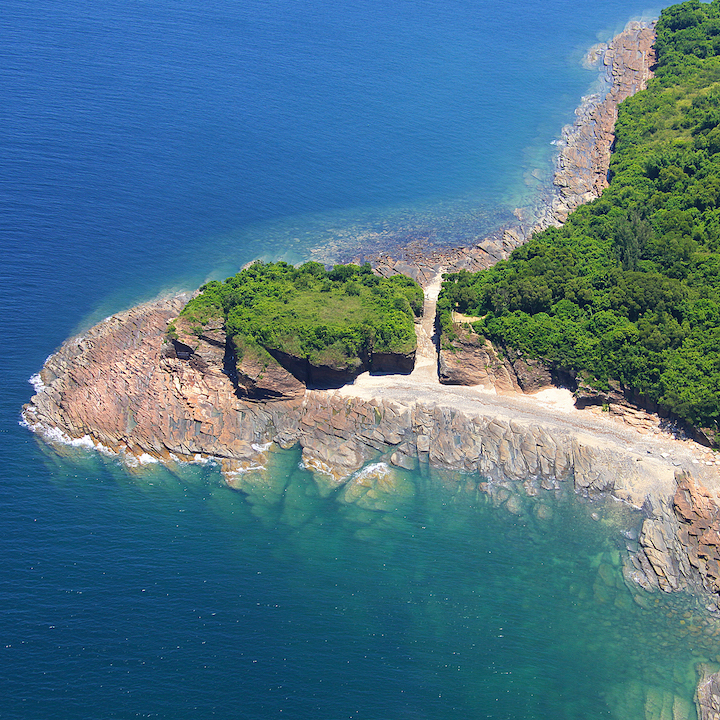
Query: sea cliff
{"points": [[119, 386]]}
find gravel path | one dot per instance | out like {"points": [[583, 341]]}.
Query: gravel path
{"points": [[549, 408]]}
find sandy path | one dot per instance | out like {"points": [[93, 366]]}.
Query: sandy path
{"points": [[426, 358], [550, 408]]}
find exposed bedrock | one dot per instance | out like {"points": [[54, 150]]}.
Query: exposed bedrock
{"points": [[263, 378], [473, 360], [123, 385], [707, 694]]}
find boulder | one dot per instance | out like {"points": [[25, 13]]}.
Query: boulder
{"points": [[471, 360]]}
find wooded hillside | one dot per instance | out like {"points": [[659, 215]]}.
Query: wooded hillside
{"points": [[629, 288]]}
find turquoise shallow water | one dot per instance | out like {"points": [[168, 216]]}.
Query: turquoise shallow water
{"points": [[166, 593], [149, 146]]}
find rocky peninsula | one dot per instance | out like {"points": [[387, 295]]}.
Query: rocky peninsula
{"points": [[123, 385]]}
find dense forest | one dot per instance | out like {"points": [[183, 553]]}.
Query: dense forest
{"points": [[330, 317], [628, 290]]}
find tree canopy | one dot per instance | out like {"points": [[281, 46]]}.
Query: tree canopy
{"points": [[326, 316], [629, 288]]}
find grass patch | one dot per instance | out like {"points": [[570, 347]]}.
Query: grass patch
{"points": [[332, 317]]}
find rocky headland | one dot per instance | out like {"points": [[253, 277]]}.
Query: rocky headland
{"points": [[120, 387], [131, 388], [498, 420]]}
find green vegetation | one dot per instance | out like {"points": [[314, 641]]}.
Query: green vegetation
{"points": [[629, 288], [334, 317]]}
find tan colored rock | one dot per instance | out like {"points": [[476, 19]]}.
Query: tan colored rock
{"points": [[261, 377], [698, 516], [707, 694], [474, 361]]}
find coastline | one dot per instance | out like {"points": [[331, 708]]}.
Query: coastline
{"points": [[113, 389], [580, 168], [106, 388]]}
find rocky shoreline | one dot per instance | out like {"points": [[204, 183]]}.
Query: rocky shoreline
{"points": [[115, 388], [581, 166], [118, 387]]}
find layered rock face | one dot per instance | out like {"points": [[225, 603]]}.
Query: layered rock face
{"points": [[698, 515], [120, 385], [475, 361], [124, 385], [707, 695]]}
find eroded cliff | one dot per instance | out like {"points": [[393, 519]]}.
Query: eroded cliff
{"points": [[119, 386]]}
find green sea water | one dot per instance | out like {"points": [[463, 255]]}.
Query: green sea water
{"points": [[410, 595]]}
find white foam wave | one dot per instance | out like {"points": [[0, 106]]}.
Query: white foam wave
{"points": [[55, 435], [145, 459], [261, 448], [380, 469], [243, 470], [197, 459], [37, 383]]}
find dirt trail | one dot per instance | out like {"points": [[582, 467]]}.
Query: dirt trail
{"points": [[553, 406], [426, 359]]}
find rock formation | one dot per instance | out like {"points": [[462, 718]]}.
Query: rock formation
{"points": [[707, 695], [124, 385], [270, 374], [472, 360], [698, 515]]}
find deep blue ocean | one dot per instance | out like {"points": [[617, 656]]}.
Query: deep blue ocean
{"points": [[151, 145]]}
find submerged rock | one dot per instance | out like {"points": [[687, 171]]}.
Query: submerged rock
{"points": [[581, 169], [707, 695]]}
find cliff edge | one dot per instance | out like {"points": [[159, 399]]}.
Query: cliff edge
{"points": [[117, 386]]}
